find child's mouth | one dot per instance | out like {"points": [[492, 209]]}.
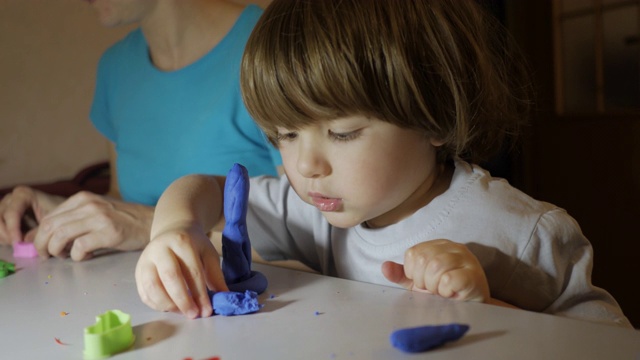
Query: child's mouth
{"points": [[325, 203]]}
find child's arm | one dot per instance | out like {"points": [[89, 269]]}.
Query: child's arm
{"points": [[174, 270], [444, 268]]}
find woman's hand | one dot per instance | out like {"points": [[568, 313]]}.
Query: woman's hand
{"points": [[87, 222], [24, 205]]}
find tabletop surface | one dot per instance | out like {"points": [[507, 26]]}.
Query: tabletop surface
{"points": [[305, 316]]}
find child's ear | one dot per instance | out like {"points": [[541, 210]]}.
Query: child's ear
{"points": [[436, 142]]}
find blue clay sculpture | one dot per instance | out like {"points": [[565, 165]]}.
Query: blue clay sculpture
{"points": [[424, 338], [236, 246]]}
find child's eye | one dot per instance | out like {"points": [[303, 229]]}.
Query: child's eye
{"points": [[344, 136], [288, 136]]}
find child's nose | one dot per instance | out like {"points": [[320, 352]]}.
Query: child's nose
{"points": [[312, 162]]}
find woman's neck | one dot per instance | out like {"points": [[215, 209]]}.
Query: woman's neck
{"points": [[181, 32]]}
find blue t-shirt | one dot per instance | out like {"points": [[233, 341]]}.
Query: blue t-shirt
{"points": [[168, 124]]}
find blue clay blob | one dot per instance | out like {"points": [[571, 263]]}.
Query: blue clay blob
{"points": [[236, 246], [228, 303], [424, 338]]}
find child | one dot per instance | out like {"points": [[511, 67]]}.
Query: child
{"points": [[379, 109]]}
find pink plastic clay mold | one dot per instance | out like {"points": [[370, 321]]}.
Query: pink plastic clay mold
{"points": [[24, 249]]}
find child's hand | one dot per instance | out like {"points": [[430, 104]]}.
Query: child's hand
{"points": [[175, 269], [441, 267]]}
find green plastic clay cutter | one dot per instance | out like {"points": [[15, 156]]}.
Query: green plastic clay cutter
{"points": [[6, 268], [110, 335]]}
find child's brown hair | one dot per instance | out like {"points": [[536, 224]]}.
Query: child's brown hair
{"points": [[441, 67]]}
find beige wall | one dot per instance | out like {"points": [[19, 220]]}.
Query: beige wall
{"points": [[49, 51], [48, 54]]}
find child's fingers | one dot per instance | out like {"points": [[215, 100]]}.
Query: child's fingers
{"points": [[213, 272], [195, 279], [438, 267], [175, 282], [395, 273], [456, 283], [150, 288], [464, 285], [419, 277], [416, 265], [418, 257], [446, 268]]}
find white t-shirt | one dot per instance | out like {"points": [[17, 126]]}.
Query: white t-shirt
{"points": [[533, 253]]}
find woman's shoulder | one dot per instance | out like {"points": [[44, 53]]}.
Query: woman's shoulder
{"points": [[125, 47], [246, 21]]}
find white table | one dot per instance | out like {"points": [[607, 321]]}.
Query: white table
{"points": [[354, 321]]}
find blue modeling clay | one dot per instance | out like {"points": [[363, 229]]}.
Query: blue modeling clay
{"points": [[236, 246], [423, 338], [235, 303]]}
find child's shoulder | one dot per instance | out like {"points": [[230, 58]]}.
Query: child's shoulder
{"points": [[476, 203], [471, 184]]}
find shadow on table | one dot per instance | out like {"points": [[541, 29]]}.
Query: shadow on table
{"points": [[152, 333], [473, 338]]}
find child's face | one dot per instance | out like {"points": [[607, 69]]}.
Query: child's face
{"points": [[355, 169]]}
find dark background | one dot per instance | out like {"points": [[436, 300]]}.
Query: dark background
{"points": [[585, 164]]}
